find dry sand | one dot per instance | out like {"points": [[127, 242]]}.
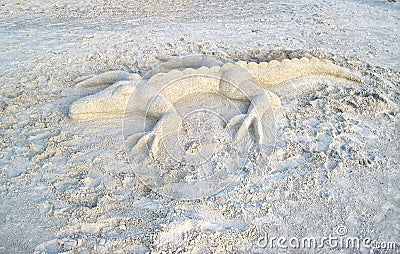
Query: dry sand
{"points": [[67, 187]]}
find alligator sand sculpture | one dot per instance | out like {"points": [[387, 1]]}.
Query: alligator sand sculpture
{"points": [[155, 94]]}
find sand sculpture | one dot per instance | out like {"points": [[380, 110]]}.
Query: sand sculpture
{"points": [[155, 93]]}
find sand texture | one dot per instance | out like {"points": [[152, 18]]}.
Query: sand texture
{"points": [[111, 143]]}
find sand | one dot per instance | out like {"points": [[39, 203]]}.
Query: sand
{"points": [[69, 187]]}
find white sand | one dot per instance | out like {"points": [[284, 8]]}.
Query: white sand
{"points": [[67, 186]]}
